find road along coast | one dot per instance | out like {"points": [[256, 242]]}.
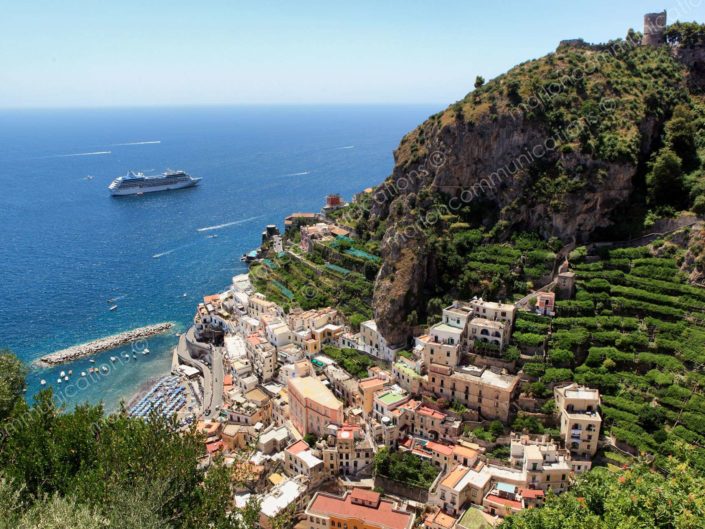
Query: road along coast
{"points": [[102, 344]]}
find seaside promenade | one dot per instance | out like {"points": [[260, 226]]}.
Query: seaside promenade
{"points": [[212, 376]]}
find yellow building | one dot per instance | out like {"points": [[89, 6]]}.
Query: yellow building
{"points": [[481, 389], [580, 420], [358, 509]]}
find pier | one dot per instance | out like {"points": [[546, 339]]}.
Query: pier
{"points": [[102, 344]]}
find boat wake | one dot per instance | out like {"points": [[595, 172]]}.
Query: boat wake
{"points": [[298, 174], [137, 143], [162, 254], [227, 224], [95, 153], [113, 300], [346, 147]]}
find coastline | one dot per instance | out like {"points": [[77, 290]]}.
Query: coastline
{"points": [[102, 344], [142, 391]]}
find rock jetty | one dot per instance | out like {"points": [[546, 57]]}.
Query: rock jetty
{"points": [[103, 344]]}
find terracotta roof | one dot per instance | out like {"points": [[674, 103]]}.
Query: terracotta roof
{"points": [[532, 493], [371, 383], [440, 448], [464, 451], [442, 519], [255, 339], [430, 412], [228, 380], [454, 476], [347, 431], [297, 447], [504, 501], [365, 495], [214, 447], [384, 515]]}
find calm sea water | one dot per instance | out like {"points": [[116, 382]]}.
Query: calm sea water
{"points": [[67, 247]]}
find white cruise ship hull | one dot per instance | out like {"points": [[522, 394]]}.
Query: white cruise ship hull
{"points": [[135, 190]]}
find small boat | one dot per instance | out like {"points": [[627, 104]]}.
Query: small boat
{"points": [[83, 373], [70, 372], [58, 381], [43, 382], [66, 378], [213, 236], [134, 356], [104, 368], [62, 374], [114, 307], [146, 350], [113, 358], [92, 361], [184, 294], [127, 355]]}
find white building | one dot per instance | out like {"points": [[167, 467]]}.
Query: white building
{"points": [[373, 342]]}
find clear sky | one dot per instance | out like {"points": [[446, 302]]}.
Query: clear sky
{"points": [[70, 53]]}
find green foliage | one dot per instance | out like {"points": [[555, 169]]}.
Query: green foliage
{"points": [[686, 34], [405, 467], [489, 433], [665, 179], [12, 382], [637, 497], [80, 468], [354, 362], [527, 422]]}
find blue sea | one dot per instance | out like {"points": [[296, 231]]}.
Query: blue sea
{"points": [[67, 247]]}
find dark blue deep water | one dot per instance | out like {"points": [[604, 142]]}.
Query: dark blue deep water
{"points": [[67, 246]]}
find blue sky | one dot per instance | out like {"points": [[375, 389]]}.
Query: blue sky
{"points": [[73, 53]]}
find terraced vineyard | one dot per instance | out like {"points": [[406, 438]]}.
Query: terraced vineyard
{"points": [[473, 266], [636, 331], [312, 282]]}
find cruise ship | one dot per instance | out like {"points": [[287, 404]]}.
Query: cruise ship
{"points": [[135, 183]]}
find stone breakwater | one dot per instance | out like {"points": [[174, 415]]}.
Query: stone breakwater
{"points": [[103, 344]]}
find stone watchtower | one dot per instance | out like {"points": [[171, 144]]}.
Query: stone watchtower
{"points": [[565, 281], [654, 27]]}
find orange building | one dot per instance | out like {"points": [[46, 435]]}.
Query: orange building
{"points": [[359, 509]]}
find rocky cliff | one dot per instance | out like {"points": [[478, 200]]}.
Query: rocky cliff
{"points": [[558, 146]]}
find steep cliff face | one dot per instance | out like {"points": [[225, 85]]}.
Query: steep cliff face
{"points": [[557, 146]]}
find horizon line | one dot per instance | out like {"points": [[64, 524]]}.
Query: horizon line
{"points": [[221, 105]]}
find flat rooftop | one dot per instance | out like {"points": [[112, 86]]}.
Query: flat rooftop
{"points": [[444, 327], [582, 393], [313, 389], [391, 397], [281, 497]]}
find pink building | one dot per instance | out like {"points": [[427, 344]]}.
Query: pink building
{"points": [[312, 406]]}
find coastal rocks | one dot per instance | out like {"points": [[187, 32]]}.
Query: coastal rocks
{"points": [[103, 344]]}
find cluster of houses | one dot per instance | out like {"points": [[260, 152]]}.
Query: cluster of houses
{"points": [[292, 419]]}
